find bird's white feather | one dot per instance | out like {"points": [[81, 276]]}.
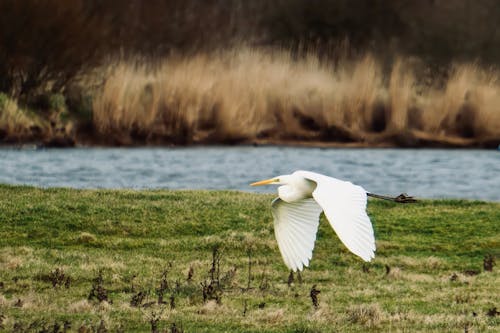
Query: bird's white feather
{"points": [[295, 227], [344, 205]]}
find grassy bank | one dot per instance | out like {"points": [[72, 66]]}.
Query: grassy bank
{"points": [[140, 261]]}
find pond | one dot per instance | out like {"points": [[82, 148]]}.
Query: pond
{"points": [[425, 173]]}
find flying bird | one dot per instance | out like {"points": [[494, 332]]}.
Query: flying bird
{"points": [[302, 197]]}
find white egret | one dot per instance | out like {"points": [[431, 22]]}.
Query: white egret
{"points": [[302, 197]]}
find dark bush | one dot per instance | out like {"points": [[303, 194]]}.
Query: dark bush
{"points": [[44, 44]]}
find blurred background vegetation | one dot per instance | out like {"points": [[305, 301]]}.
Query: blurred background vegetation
{"points": [[55, 54]]}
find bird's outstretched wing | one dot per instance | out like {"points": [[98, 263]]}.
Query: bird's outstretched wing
{"points": [[344, 205], [295, 227]]}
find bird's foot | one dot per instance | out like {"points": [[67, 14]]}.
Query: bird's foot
{"points": [[404, 198]]}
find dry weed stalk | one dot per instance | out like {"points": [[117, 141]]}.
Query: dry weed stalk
{"points": [[314, 296], [98, 291], [212, 290], [488, 263]]}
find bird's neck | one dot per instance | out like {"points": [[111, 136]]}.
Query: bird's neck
{"points": [[297, 190]]}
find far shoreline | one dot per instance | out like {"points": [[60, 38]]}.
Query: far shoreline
{"points": [[284, 144], [410, 140]]}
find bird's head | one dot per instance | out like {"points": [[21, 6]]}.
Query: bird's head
{"points": [[280, 180]]}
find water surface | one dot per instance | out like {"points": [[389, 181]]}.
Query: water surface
{"points": [[427, 173]]}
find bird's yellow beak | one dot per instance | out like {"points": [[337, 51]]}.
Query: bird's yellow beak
{"points": [[264, 182]]}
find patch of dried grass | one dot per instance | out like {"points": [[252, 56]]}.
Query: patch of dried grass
{"points": [[81, 306], [247, 93], [323, 314], [86, 238], [14, 120], [236, 94], [468, 104], [14, 263], [368, 315], [209, 307], [275, 316], [3, 301], [394, 273]]}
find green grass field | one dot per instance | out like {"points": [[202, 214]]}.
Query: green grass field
{"points": [[124, 261]]}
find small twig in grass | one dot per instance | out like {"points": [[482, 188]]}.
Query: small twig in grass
{"points": [[204, 290], [160, 292], [249, 253], [175, 292], [85, 329], [488, 262], [137, 299], [471, 272], [148, 304], [66, 326], [56, 327], [164, 286], [493, 312], [176, 329], [154, 324], [132, 284], [245, 308], [17, 328], [190, 274], [36, 324], [314, 296], [98, 291], [177, 285], [264, 282], [212, 289], [102, 327], [299, 277], [58, 278], [67, 282], [290, 279], [154, 320], [215, 269], [172, 301], [228, 277]]}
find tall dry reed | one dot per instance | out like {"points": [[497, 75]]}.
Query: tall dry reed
{"points": [[15, 122], [251, 94], [401, 93]]}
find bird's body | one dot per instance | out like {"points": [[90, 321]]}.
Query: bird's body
{"points": [[302, 197]]}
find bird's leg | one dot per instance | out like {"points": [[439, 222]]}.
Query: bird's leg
{"points": [[402, 198]]}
